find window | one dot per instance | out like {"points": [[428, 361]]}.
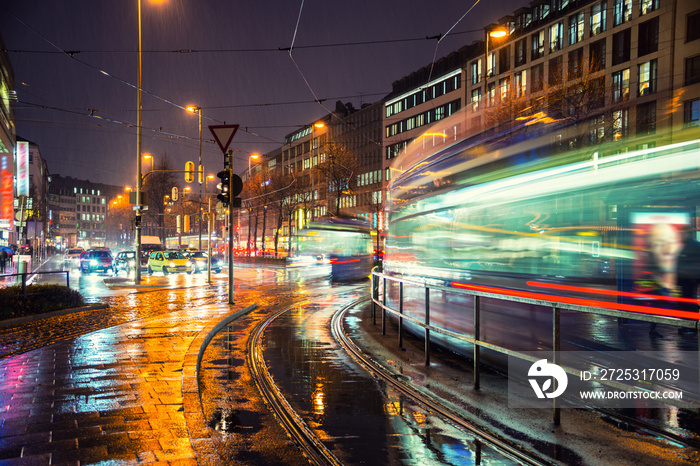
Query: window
{"points": [[537, 45], [646, 118], [599, 18], [597, 55], [621, 47], [621, 86], [622, 11], [504, 59], [646, 77], [575, 62], [520, 83], [504, 86], [537, 78], [521, 52], [692, 70], [556, 33], [555, 72], [693, 27], [691, 113], [491, 95], [620, 123], [647, 6], [576, 28], [476, 99], [648, 37], [476, 71]]}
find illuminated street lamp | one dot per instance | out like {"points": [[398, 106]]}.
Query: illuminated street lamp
{"points": [[198, 111], [497, 32], [314, 161], [151, 158]]}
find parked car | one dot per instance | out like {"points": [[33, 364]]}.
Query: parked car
{"points": [[94, 261], [125, 260], [199, 261], [168, 262], [71, 258]]}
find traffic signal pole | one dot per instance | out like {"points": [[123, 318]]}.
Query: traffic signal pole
{"points": [[230, 240]]}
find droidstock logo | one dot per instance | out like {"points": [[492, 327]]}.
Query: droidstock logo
{"points": [[542, 369]]}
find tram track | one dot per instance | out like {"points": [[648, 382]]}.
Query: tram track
{"points": [[311, 446], [380, 372]]}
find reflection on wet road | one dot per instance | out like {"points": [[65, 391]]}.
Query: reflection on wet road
{"points": [[359, 419]]}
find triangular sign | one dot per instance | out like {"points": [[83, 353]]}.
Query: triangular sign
{"points": [[224, 135]]}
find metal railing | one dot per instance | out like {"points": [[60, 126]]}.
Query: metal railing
{"points": [[23, 278], [556, 308]]}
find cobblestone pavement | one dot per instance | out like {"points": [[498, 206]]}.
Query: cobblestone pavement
{"points": [[111, 385]]}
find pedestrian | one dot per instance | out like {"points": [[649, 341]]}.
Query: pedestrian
{"points": [[3, 260]]}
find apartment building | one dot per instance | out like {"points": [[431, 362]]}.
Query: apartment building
{"points": [[637, 62]]}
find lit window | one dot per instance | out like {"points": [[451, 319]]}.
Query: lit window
{"points": [[556, 32], [576, 28], [647, 78], [622, 11], [621, 85], [691, 113]]}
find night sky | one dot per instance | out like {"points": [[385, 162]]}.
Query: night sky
{"points": [[343, 50]]}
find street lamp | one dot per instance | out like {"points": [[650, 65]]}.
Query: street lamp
{"points": [[253, 156], [198, 110], [314, 161], [496, 32], [151, 158]]}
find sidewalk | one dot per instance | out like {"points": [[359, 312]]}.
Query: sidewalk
{"points": [[125, 393]]}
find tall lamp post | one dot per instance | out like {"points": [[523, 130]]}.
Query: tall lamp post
{"points": [[253, 156], [496, 32], [200, 175], [137, 222], [314, 160]]}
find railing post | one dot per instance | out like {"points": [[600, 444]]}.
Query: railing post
{"points": [[384, 307], [427, 324], [400, 314], [556, 346], [24, 287], [375, 297], [67, 278], [477, 313]]}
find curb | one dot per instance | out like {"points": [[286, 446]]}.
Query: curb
{"points": [[25, 319]]}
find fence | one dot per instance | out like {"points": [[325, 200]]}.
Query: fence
{"points": [[23, 278], [556, 308]]}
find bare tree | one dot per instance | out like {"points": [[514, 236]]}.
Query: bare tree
{"points": [[338, 169]]}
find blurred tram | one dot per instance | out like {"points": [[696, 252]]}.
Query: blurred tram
{"points": [[345, 242], [535, 209]]}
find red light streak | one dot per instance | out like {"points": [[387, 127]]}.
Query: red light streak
{"points": [[581, 301], [336, 261], [628, 294]]}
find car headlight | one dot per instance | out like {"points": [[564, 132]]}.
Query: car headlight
{"points": [[172, 264], [93, 262]]}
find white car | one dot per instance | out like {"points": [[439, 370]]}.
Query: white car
{"points": [[71, 258]]}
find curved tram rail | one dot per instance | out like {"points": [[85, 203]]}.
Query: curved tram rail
{"points": [[310, 444], [296, 428], [380, 372]]}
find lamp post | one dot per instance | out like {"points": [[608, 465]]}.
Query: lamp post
{"points": [[137, 222], [496, 33], [200, 175], [253, 156], [151, 158], [314, 160]]}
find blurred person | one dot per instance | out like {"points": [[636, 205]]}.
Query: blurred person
{"points": [[3, 261], [664, 243]]}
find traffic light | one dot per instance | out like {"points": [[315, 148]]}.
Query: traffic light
{"points": [[225, 195], [189, 172]]}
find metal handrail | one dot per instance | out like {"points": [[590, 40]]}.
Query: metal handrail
{"points": [[25, 274], [556, 307]]}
